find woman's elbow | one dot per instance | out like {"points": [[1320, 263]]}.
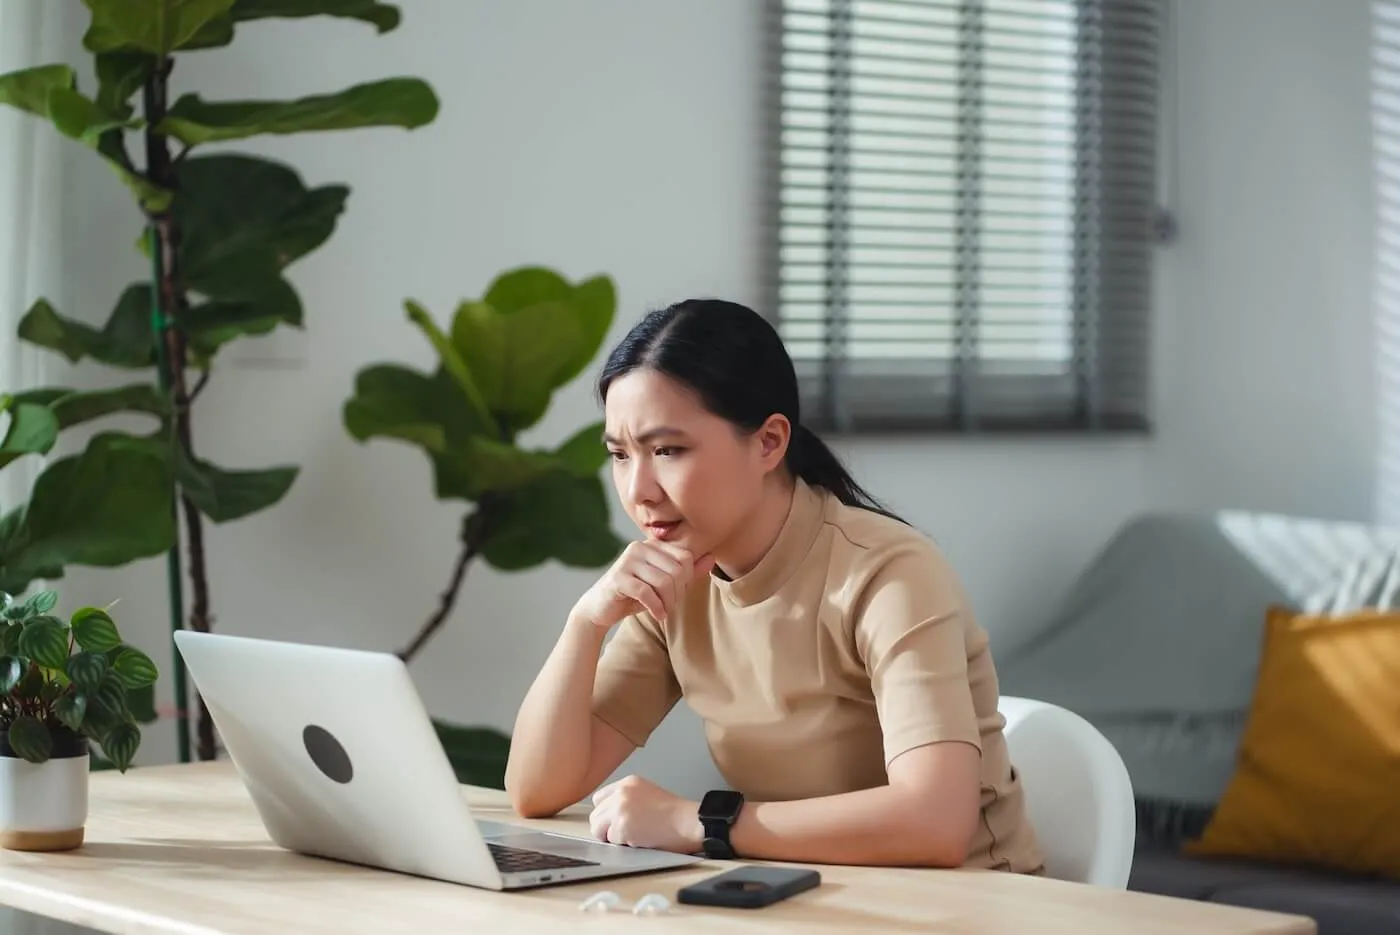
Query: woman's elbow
{"points": [[944, 842], [535, 799], [531, 808], [939, 851], [530, 802]]}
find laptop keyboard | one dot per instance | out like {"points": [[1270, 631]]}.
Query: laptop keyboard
{"points": [[515, 860]]}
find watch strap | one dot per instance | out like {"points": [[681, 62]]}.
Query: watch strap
{"points": [[716, 843]]}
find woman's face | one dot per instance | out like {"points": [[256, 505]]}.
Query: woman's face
{"points": [[683, 474]]}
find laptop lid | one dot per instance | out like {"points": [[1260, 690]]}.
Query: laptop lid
{"points": [[339, 755]]}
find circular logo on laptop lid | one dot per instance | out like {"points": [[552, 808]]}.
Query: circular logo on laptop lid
{"points": [[327, 753]]}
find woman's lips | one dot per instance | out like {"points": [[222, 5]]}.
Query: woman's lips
{"points": [[663, 531]]}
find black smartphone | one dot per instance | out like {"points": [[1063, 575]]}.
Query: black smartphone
{"points": [[749, 887]]}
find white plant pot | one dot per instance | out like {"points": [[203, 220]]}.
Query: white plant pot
{"points": [[44, 806]]}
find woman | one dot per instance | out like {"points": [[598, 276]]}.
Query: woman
{"points": [[847, 693]]}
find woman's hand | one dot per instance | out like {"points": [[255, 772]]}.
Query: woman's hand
{"points": [[639, 813], [648, 574]]}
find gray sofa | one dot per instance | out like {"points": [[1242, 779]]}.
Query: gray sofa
{"points": [[1157, 643]]}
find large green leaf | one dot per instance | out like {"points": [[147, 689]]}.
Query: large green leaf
{"points": [[453, 364], [141, 703], [106, 506], [211, 325], [489, 465], [95, 631], [119, 76], [532, 333], [395, 402], [398, 403], [478, 754], [86, 670], [121, 743], [583, 452], [397, 102], [383, 16], [560, 516], [593, 303], [50, 91], [228, 495], [110, 697], [595, 300], [157, 26], [19, 567], [30, 739], [84, 119], [73, 407], [525, 286], [126, 340], [135, 668], [28, 88], [70, 710], [245, 219], [45, 641], [517, 359], [33, 429]]}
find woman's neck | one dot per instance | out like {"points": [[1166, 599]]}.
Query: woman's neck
{"points": [[747, 547]]}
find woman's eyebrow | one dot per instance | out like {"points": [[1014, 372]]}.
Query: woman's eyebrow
{"points": [[650, 435]]}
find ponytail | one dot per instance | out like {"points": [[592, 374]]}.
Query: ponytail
{"points": [[811, 459]]}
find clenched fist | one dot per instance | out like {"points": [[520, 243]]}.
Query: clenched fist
{"points": [[639, 813]]}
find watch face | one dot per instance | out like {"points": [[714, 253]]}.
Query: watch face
{"points": [[721, 803]]}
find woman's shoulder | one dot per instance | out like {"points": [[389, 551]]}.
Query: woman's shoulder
{"points": [[886, 577], [874, 536], [870, 548]]}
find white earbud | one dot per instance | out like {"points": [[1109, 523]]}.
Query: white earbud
{"points": [[601, 902], [652, 904]]}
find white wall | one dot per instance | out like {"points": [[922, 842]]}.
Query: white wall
{"points": [[621, 137], [1269, 356]]}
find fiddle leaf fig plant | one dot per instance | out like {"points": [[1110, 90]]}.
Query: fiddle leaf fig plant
{"points": [[219, 231], [74, 676], [500, 360]]}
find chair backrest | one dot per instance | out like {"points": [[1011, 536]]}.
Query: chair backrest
{"points": [[1078, 793]]}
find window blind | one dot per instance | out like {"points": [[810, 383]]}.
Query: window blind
{"points": [[965, 197]]}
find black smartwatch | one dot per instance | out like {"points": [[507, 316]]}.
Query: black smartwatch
{"points": [[719, 809]]}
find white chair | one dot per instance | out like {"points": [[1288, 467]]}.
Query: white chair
{"points": [[1078, 793]]}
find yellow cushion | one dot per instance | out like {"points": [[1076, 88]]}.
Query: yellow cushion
{"points": [[1317, 779]]}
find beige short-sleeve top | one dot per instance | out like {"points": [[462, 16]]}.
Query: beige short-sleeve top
{"points": [[849, 643]]}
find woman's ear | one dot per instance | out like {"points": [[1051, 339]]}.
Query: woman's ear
{"points": [[774, 436]]}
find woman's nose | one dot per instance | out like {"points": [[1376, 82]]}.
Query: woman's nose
{"points": [[641, 484]]}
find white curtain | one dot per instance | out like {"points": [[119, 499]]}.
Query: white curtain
{"points": [[29, 213]]}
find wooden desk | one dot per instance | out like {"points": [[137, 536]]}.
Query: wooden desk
{"points": [[180, 849]]}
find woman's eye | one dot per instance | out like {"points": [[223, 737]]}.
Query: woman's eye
{"points": [[616, 455], [667, 452]]}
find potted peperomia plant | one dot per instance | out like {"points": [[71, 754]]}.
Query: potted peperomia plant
{"points": [[63, 685]]}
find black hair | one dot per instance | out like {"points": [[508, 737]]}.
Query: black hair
{"points": [[734, 360]]}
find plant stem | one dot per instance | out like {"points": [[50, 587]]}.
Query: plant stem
{"points": [[173, 302], [173, 573], [474, 531]]}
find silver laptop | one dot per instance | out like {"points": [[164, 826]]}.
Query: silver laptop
{"points": [[341, 761]]}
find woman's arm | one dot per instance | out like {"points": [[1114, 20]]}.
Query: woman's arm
{"points": [[559, 750], [565, 742], [926, 816]]}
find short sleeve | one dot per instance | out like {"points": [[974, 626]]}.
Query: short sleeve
{"points": [[910, 631], [635, 687]]}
